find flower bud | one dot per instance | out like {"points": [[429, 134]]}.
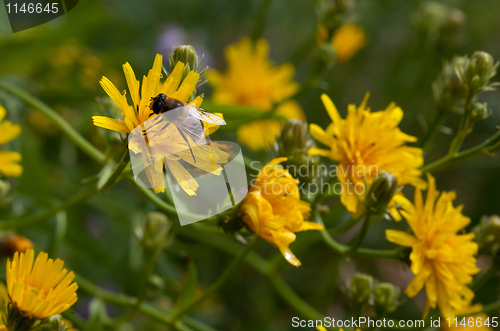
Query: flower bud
{"points": [[152, 234], [293, 142], [360, 288], [449, 89], [187, 55], [477, 72], [385, 298], [488, 235], [11, 243], [4, 191], [479, 112], [383, 188], [437, 21]]}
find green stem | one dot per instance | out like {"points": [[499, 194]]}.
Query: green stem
{"points": [[253, 259], [114, 176], [490, 308], [360, 239], [218, 283], [67, 129], [483, 278], [487, 147], [462, 132], [48, 213], [344, 227], [151, 196], [293, 299], [431, 131], [260, 22], [360, 252]]}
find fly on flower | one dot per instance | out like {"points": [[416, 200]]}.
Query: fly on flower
{"points": [[188, 120]]}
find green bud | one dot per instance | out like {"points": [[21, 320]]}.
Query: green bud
{"points": [[488, 235], [383, 188], [456, 19], [479, 112], [293, 142], [152, 234], [438, 22], [332, 12], [360, 288], [187, 55], [4, 190], [449, 89], [156, 283], [477, 72], [385, 298], [485, 65]]}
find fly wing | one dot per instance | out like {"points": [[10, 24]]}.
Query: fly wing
{"points": [[205, 116], [192, 127]]}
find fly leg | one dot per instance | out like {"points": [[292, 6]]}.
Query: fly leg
{"points": [[187, 141]]}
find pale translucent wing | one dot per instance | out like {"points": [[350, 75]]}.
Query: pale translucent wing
{"points": [[194, 129], [205, 116]]}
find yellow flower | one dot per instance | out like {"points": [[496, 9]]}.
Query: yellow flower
{"points": [[139, 112], [41, 289], [347, 41], [364, 144], [9, 161], [441, 259], [252, 80], [273, 209], [12, 242]]}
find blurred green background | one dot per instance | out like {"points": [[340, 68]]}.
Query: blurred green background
{"points": [[62, 61]]}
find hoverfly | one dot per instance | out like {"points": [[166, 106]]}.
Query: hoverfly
{"points": [[187, 118]]}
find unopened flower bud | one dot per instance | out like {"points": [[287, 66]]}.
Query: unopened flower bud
{"points": [[11, 243], [383, 188], [478, 70], [293, 142], [360, 288], [479, 112], [488, 235], [152, 234], [187, 55], [485, 64], [385, 298], [449, 89], [4, 190]]}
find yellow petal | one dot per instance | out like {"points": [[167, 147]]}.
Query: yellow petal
{"points": [[187, 87], [400, 238], [133, 83], [9, 164], [331, 109], [110, 124]]}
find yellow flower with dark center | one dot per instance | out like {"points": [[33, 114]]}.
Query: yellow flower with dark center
{"points": [[40, 289], [347, 41], [442, 259], [365, 143], [9, 161], [139, 112], [273, 209], [252, 80]]}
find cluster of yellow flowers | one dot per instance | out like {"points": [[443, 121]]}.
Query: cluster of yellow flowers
{"points": [[363, 144]]}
